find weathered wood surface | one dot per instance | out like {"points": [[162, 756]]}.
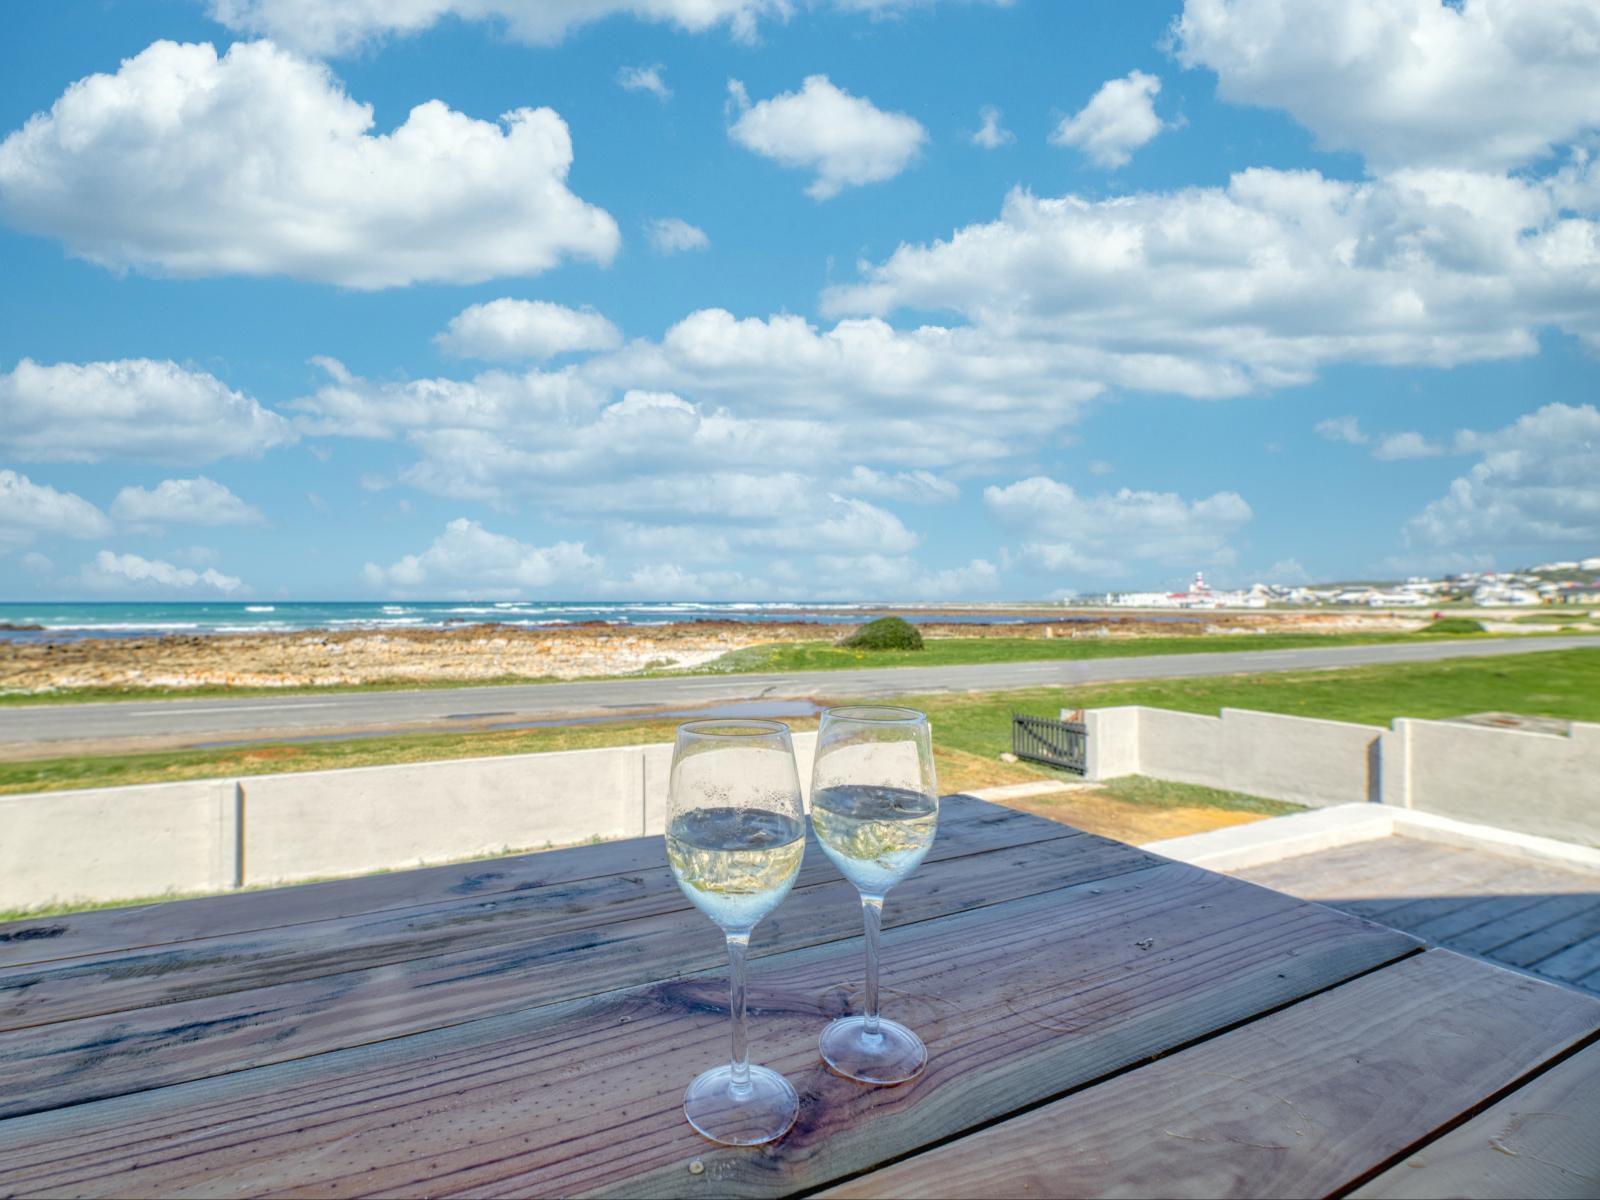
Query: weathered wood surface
{"points": [[547, 946], [1541, 918], [1393, 867], [77, 935], [1018, 1001], [1539, 1141], [1303, 1102], [114, 981], [44, 939]]}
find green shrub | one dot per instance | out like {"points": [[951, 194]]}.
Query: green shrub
{"points": [[1453, 625], [886, 633]]}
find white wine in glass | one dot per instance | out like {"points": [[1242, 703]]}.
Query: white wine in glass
{"points": [[875, 809], [735, 837]]}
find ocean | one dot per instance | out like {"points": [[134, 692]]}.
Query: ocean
{"points": [[47, 620]]}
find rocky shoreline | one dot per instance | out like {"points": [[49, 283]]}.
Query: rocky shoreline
{"points": [[478, 652]]}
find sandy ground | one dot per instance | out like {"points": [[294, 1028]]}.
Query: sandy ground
{"points": [[490, 651], [1085, 807]]}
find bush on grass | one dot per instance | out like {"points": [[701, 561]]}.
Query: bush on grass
{"points": [[1453, 625], [886, 633]]}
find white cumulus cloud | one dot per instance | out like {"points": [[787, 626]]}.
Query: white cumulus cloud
{"points": [[991, 135], [644, 79], [1118, 119], [1103, 536], [1342, 429], [28, 509], [259, 163], [845, 139], [131, 408], [840, 524], [1536, 485], [334, 28], [1394, 446], [129, 572], [1213, 291], [198, 501], [507, 330], [1482, 84], [468, 560], [916, 487], [674, 235]]}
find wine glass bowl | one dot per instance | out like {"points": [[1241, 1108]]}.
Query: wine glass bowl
{"points": [[875, 810], [735, 839]]}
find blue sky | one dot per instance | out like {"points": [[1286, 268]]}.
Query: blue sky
{"points": [[773, 299]]}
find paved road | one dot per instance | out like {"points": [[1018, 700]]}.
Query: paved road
{"points": [[468, 708]]}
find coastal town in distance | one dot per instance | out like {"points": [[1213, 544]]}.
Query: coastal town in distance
{"points": [[1575, 581]]}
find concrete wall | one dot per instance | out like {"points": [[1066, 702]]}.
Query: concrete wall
{"points": [[118, 843], [1530, 782], [1533, 782], [1310, 762], [1114, 741], [210, 835], [1305, 761]]}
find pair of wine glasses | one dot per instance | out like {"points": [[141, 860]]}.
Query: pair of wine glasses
{"points": [[735, 836]]}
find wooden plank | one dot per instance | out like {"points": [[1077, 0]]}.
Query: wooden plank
{"points": [[1538, 1141], [1017, 1002], [1482, 911], [555, 956], [1491, 936], [47, 939], [1573, 963], [1401, 913], [1299, 1103], [1536, 948], [115, 982]]}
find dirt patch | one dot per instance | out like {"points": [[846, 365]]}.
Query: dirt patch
{"points": [[1092, 810]]}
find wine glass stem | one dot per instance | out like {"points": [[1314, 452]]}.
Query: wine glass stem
{"points": [[872, 918], [738, 943]]}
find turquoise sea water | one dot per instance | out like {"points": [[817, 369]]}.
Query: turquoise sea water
{"points": [[55, 620]]}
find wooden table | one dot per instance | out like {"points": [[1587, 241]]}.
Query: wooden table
{"points": [[1100, 1022]]}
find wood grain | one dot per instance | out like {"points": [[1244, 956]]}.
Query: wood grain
{"points": [[1017, 1001], [1538, 1141], [1299, 1103], [567, 900], [634, 932], [47, 939]]}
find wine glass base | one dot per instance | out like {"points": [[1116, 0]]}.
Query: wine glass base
{"points": [[762, 1113], [892, 1055]]}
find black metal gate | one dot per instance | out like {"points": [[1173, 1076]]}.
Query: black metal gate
{"points": [[1059, 743]]}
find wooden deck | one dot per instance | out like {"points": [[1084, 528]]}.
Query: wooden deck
{"points": [[1524, 915], [1100, 1021]]}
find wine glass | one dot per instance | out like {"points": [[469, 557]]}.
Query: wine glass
{"points": [[875, 808], [735, 837]]}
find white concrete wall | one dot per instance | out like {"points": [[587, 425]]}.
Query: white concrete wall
{"points": [[1113, 743], [1533, 782], [1182, 746], [1299, 759], [210, 835], [348, 821], [117, 843]]}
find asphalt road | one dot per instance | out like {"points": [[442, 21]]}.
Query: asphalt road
{"points": [[169, 721]]}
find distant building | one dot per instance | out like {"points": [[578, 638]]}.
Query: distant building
{"points": [[1504, 595]]}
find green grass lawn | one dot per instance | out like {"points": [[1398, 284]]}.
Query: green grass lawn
{"points": [[1557, 683], [971, 728], [944, 652]]}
